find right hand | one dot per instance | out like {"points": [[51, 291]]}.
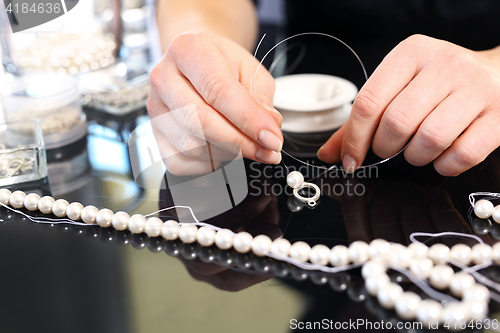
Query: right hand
{"points": [[205, 79]]}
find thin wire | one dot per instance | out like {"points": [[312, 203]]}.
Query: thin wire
{"points": [[446, 233], [251, 68]]}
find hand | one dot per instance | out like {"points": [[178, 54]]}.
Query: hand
{"points": [[438, 97], [205, 79]]}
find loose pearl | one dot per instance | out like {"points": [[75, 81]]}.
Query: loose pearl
{"points": [[188, 233], [5, 196], [496, 214], [295, 179], [31, 201], [421, 267], [407, 305], [358, 252], [481, 253], [261, 245], [440, 276], [17, 199], [206, 236], [418, 249], [389, 294], [153, 227], [281, 247], [429, 312], [300, 251], [137, 223], [74, 210], [399, 256], [320, 255], [373, 268], [477, 292], [454, 314], [461, 253], [45, 204], [89, 214], [120, 220], [59, 207], [460, 282], [339, 256], [478, 310], [104, 217], [496, 253], [242, 242], [439, 253], [170, 230], [374, 282], [483, 209], [379, 247], [224, 239]]}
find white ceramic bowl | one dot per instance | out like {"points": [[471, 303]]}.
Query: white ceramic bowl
{"points": [[312, 103]]}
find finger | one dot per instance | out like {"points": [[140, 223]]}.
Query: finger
{"points": [[330, 151], [472, 147], [438, 131], [230, 280]]}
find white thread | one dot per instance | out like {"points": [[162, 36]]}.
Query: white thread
{"points": [[446, 233]]}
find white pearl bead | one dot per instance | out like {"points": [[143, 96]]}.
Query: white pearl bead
{"points": [[17, 199], [59, 207], [454, 313], [300, 251], [120, 220], [399, 256], [31, 201], [477, 292], [429, 312], [374, 282], [389, 294], [481, 253], [206, 236], [170, 230], [281, 247], [261, 245], [153, 227], [224, 239], [407, 305], [379, 247], [295, 179], [339, 256], [137, 223], [74, 211], [89, 214], [439, 253], [460, 282], [418, 249], [5, 196], [478, 310], [358, 252], [496, 214], [483, 209], [373, 268], [496, 253], [188, 233], [461, 253], [104, 217], [421, 267], [320, 255], [45, 204], [440, 276], [242, 242]]}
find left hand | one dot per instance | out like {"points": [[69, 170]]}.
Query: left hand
{"points": [[440, 98]]}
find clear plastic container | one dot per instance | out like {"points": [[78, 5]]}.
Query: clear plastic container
{"points": [[54, 99]]}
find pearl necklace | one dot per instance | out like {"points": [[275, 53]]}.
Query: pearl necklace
{"points": [[417, 260]]}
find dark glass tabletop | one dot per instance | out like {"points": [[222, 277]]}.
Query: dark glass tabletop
{"points": [[69, 278]]}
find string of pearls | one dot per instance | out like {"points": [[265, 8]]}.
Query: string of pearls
{"points": [[376, 257]]}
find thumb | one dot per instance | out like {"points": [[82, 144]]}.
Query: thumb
{"points": [[330, 151]]}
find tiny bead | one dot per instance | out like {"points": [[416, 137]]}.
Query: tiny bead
{"points": [[496, 253], [429, 312], [188, 233], [153, 226], [477, 292], [358, 252], [104, 217], [31, 201], [496, 214], [320, 255], [460, 282], [339, 256], [242, 242], [373, 268], [281, 247], [224, 239], [59, 207], [261, 245], [170, 230], [379, 247], [483, 209], [5, 196], [89, 214], [407, 305], [418, 249], [374, 282], [441, 276], [478, 310], [17, 199], [45, 204], [120, 220], [439, 253], [454, 314], [421, 267], [74, 211], [206, 236], [461, 253], [481, 253], [300, 251], [389, 294], [295, 179], [137, 223], [399, 256]]}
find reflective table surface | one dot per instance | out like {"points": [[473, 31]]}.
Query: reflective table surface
{"points": [[67, 278]]}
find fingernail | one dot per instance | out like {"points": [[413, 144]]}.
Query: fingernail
{"points": [[268, 156], [318, 153], [270, 141], [349, 163], [273, 109]]}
